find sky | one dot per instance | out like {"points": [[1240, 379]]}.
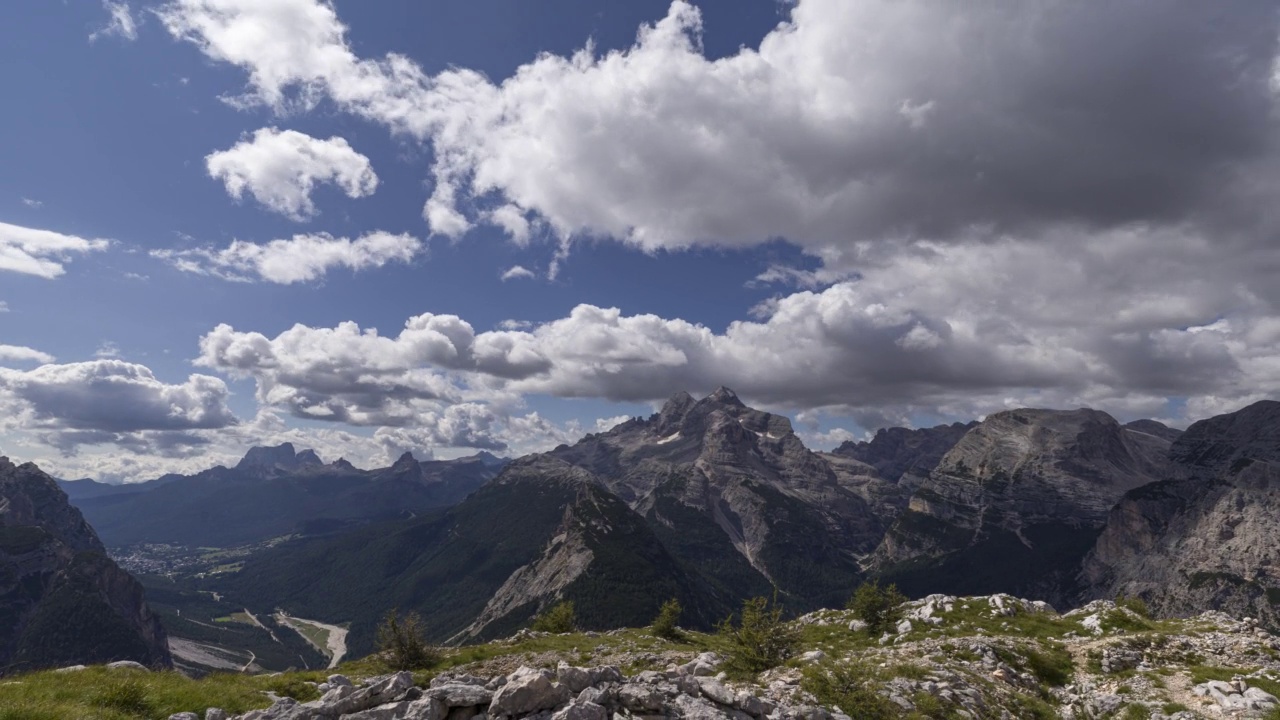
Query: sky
{"points": [[376, 227]]}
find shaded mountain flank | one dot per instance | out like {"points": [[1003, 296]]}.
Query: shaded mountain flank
{"points": [[1209, 539], [62, 600]]}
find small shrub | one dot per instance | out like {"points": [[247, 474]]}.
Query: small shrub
{"points": [[761, 640], [1134, 604], [402, 645], [1170, 708], [850, 688], [880, 608], [666, 624], [559, 619]]}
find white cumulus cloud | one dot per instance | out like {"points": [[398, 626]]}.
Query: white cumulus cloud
{"points": [[281, 168], [42, 253], [1006, 117], [302, 258], [19, 353], [111, 396]]}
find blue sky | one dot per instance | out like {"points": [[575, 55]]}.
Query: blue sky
{"points": [[854, 213]]}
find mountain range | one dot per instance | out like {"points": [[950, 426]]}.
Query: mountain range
{"points": [[273, 492], [710, 501]]}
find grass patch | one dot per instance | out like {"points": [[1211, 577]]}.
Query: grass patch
{"points": [[1136, 711], [1129, 622], [852, 688], [101, 694], [1205, 673], [1053, 665], [969, 616]]}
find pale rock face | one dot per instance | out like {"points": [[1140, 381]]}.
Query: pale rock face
{"points": [[1031, 487], [1210, 540]]}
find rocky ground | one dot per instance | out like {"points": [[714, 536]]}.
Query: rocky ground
{"points": [[947, 657]]}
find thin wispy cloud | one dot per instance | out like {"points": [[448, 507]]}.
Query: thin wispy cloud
{"points": [[120, 24]]}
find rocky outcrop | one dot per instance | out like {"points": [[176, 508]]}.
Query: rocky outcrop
{"points": [[1031, 488], [62, 600], [1209, 540], [956, 657]]}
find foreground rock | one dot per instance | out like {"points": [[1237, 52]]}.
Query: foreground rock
{"points": [[955, 657]]}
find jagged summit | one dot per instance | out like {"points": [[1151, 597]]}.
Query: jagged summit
{"points": [[725, 396], [282, 457], [683, 417]]}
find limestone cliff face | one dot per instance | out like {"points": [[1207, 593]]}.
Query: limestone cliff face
{"points": [[1017, 502], [62, 600], [1210, 539]]}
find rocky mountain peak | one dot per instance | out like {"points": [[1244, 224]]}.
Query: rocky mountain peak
{"points": [[282, 457], [724, 396], [1154, 428], [673, 412], [1036, 484], [1212, 445], [1031, 438], [30, 498], [1208, 538], [405, 462], [489, 459]]}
